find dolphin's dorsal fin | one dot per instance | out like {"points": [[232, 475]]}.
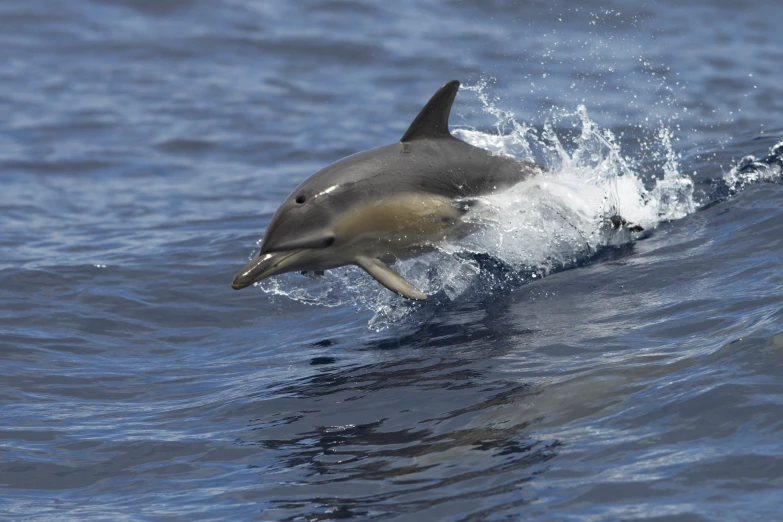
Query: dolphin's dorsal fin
{"points": [[389, 278], [433, 120]]}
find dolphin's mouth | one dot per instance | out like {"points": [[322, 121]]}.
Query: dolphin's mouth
{"points": [[261, 267]]}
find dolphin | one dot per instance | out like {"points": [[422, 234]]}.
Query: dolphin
{"points": [[386, 204]]}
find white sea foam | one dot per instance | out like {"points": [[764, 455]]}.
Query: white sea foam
{"points": [[549, 222]]}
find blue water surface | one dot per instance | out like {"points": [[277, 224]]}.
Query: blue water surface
{"points": [[144, 146]]}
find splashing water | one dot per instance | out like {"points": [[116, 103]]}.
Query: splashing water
{"points": [[751, 170], [551, 222]]}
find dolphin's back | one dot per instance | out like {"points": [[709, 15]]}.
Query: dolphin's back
{"points": [[445, 167], [452, 168]]}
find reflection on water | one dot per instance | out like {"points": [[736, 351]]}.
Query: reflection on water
{"points": [[357, 441]]}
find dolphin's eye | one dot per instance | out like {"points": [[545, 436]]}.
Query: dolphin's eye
{"points": [[300, 199], [329, 241]]}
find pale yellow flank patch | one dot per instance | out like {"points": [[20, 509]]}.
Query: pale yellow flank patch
{"points": [[404, 219]]}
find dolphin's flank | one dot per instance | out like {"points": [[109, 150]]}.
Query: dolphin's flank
{"points": [[386, 204]]}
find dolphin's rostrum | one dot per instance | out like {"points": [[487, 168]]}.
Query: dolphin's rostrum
{"points": [[385, 204]]}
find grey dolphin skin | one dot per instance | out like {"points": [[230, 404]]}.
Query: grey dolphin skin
{"points": [[386, 204]]}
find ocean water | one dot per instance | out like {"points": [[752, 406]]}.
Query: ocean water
{"points": [[562, 369]]}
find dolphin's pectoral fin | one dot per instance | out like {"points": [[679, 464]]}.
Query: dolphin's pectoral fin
{"points": [[389, 278]]}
